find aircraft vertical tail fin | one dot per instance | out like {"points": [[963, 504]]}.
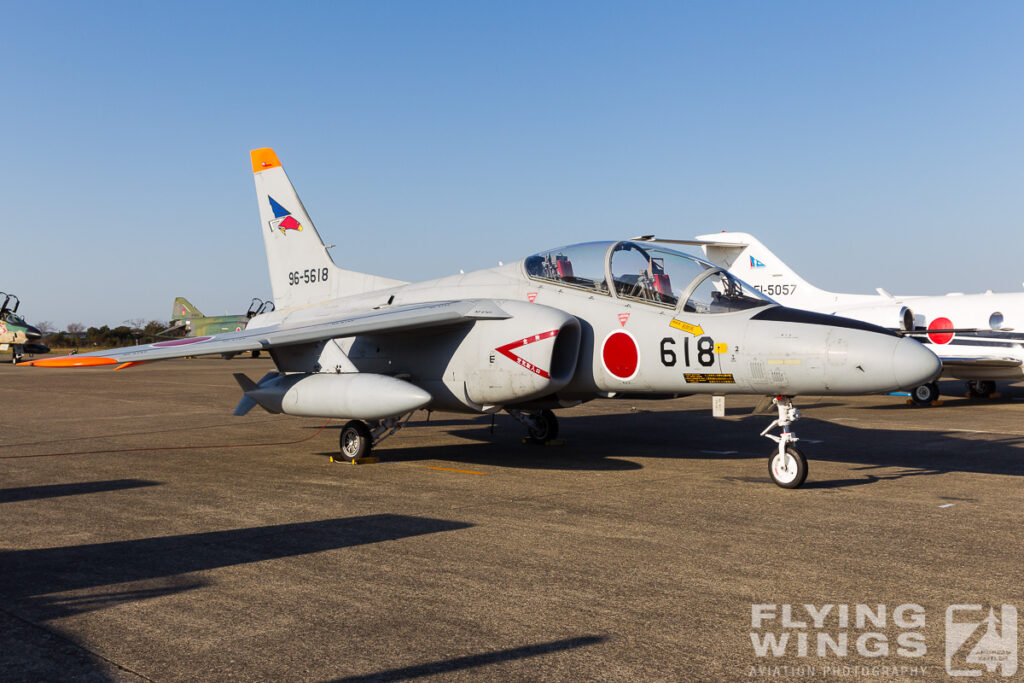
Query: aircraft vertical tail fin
{"points": [[183, 310], [301, 270], [754, 263]]}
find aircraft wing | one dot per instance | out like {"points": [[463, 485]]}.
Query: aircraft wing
{"points": [[382, 320]]}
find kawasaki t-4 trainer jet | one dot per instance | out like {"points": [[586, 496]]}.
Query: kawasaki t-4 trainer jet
{"points": [[16, 334], [551, 331]]}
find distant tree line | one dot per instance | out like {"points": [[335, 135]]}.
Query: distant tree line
{"points": [[77, 335]]}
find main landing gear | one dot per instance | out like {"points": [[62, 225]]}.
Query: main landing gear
{"points": [[541, 425], [981, 388], [787, 466], [358, 438], [925, 395]]}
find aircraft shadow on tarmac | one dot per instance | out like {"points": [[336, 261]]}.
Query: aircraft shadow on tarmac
{"points": [[24, 493], [473, 661], [619, 442], [30, 576]]}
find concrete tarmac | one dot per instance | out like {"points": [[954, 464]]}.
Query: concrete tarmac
{"points": [[147, 534]]}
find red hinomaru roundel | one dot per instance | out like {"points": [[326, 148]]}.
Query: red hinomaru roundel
{"points": [[620, 355]]}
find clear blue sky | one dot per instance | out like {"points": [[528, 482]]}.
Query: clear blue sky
{"points": [[867, 143]]}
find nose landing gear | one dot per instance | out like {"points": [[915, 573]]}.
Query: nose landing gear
{"points": [[787, 466]]}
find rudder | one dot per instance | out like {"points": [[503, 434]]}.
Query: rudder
{"points": [[301, 270], [183, 310]]}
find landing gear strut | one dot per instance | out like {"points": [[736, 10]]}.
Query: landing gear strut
{"points": [[541, 425], [358, 438], [787, 465]]}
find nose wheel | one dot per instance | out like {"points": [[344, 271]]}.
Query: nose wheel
{"points": [[789, 469], [787, 466]]}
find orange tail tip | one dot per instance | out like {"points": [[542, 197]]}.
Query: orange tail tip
{"points": [[263, 158], [69, 362]]}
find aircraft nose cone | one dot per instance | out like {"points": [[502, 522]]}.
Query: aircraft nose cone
{"points": [[914, 364], [33, 332]]}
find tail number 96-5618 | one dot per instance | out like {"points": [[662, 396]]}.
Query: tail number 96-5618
{"points": [[307, 276]]}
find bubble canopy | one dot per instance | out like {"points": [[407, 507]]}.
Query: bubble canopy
{"points": [[649, 274]]}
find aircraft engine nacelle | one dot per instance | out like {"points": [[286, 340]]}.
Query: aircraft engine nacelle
{"points": [[890, 316], [529, 355], [355, 395]]}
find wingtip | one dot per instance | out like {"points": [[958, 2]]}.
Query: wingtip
{"points": [[69, 362], [263, 159]]}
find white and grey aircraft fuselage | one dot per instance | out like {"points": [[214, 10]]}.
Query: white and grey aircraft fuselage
{"points": [[553, 330]]}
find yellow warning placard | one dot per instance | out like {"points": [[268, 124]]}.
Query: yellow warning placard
{"points": [[686, 327], [721, 348], [709, 378]]}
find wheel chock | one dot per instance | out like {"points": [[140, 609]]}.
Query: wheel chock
{"points": [[937, 403], [358, 461]]}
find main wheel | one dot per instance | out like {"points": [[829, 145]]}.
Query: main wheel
{"points": [[981, 388], [925, 394], [355, 441], [545, 428], [255, 354], [789, 470]]}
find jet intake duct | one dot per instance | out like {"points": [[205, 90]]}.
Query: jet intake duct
{"points": [[890, 316], [352, 395], [532, 354]]}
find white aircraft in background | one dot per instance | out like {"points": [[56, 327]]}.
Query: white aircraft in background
{"points": [[972, 334]]}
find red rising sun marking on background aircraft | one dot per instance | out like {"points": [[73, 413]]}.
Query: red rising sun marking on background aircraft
{"points": [[620, 355], [506, 351], [623, 318], [940, 324]]}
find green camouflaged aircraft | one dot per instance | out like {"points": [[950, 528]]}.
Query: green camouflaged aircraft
{"points": [[187, 316], [15, 333]]}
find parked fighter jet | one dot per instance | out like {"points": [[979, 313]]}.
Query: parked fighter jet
{"points": [[976, 336], [561, 327], [186, 316], [15, 333]]}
